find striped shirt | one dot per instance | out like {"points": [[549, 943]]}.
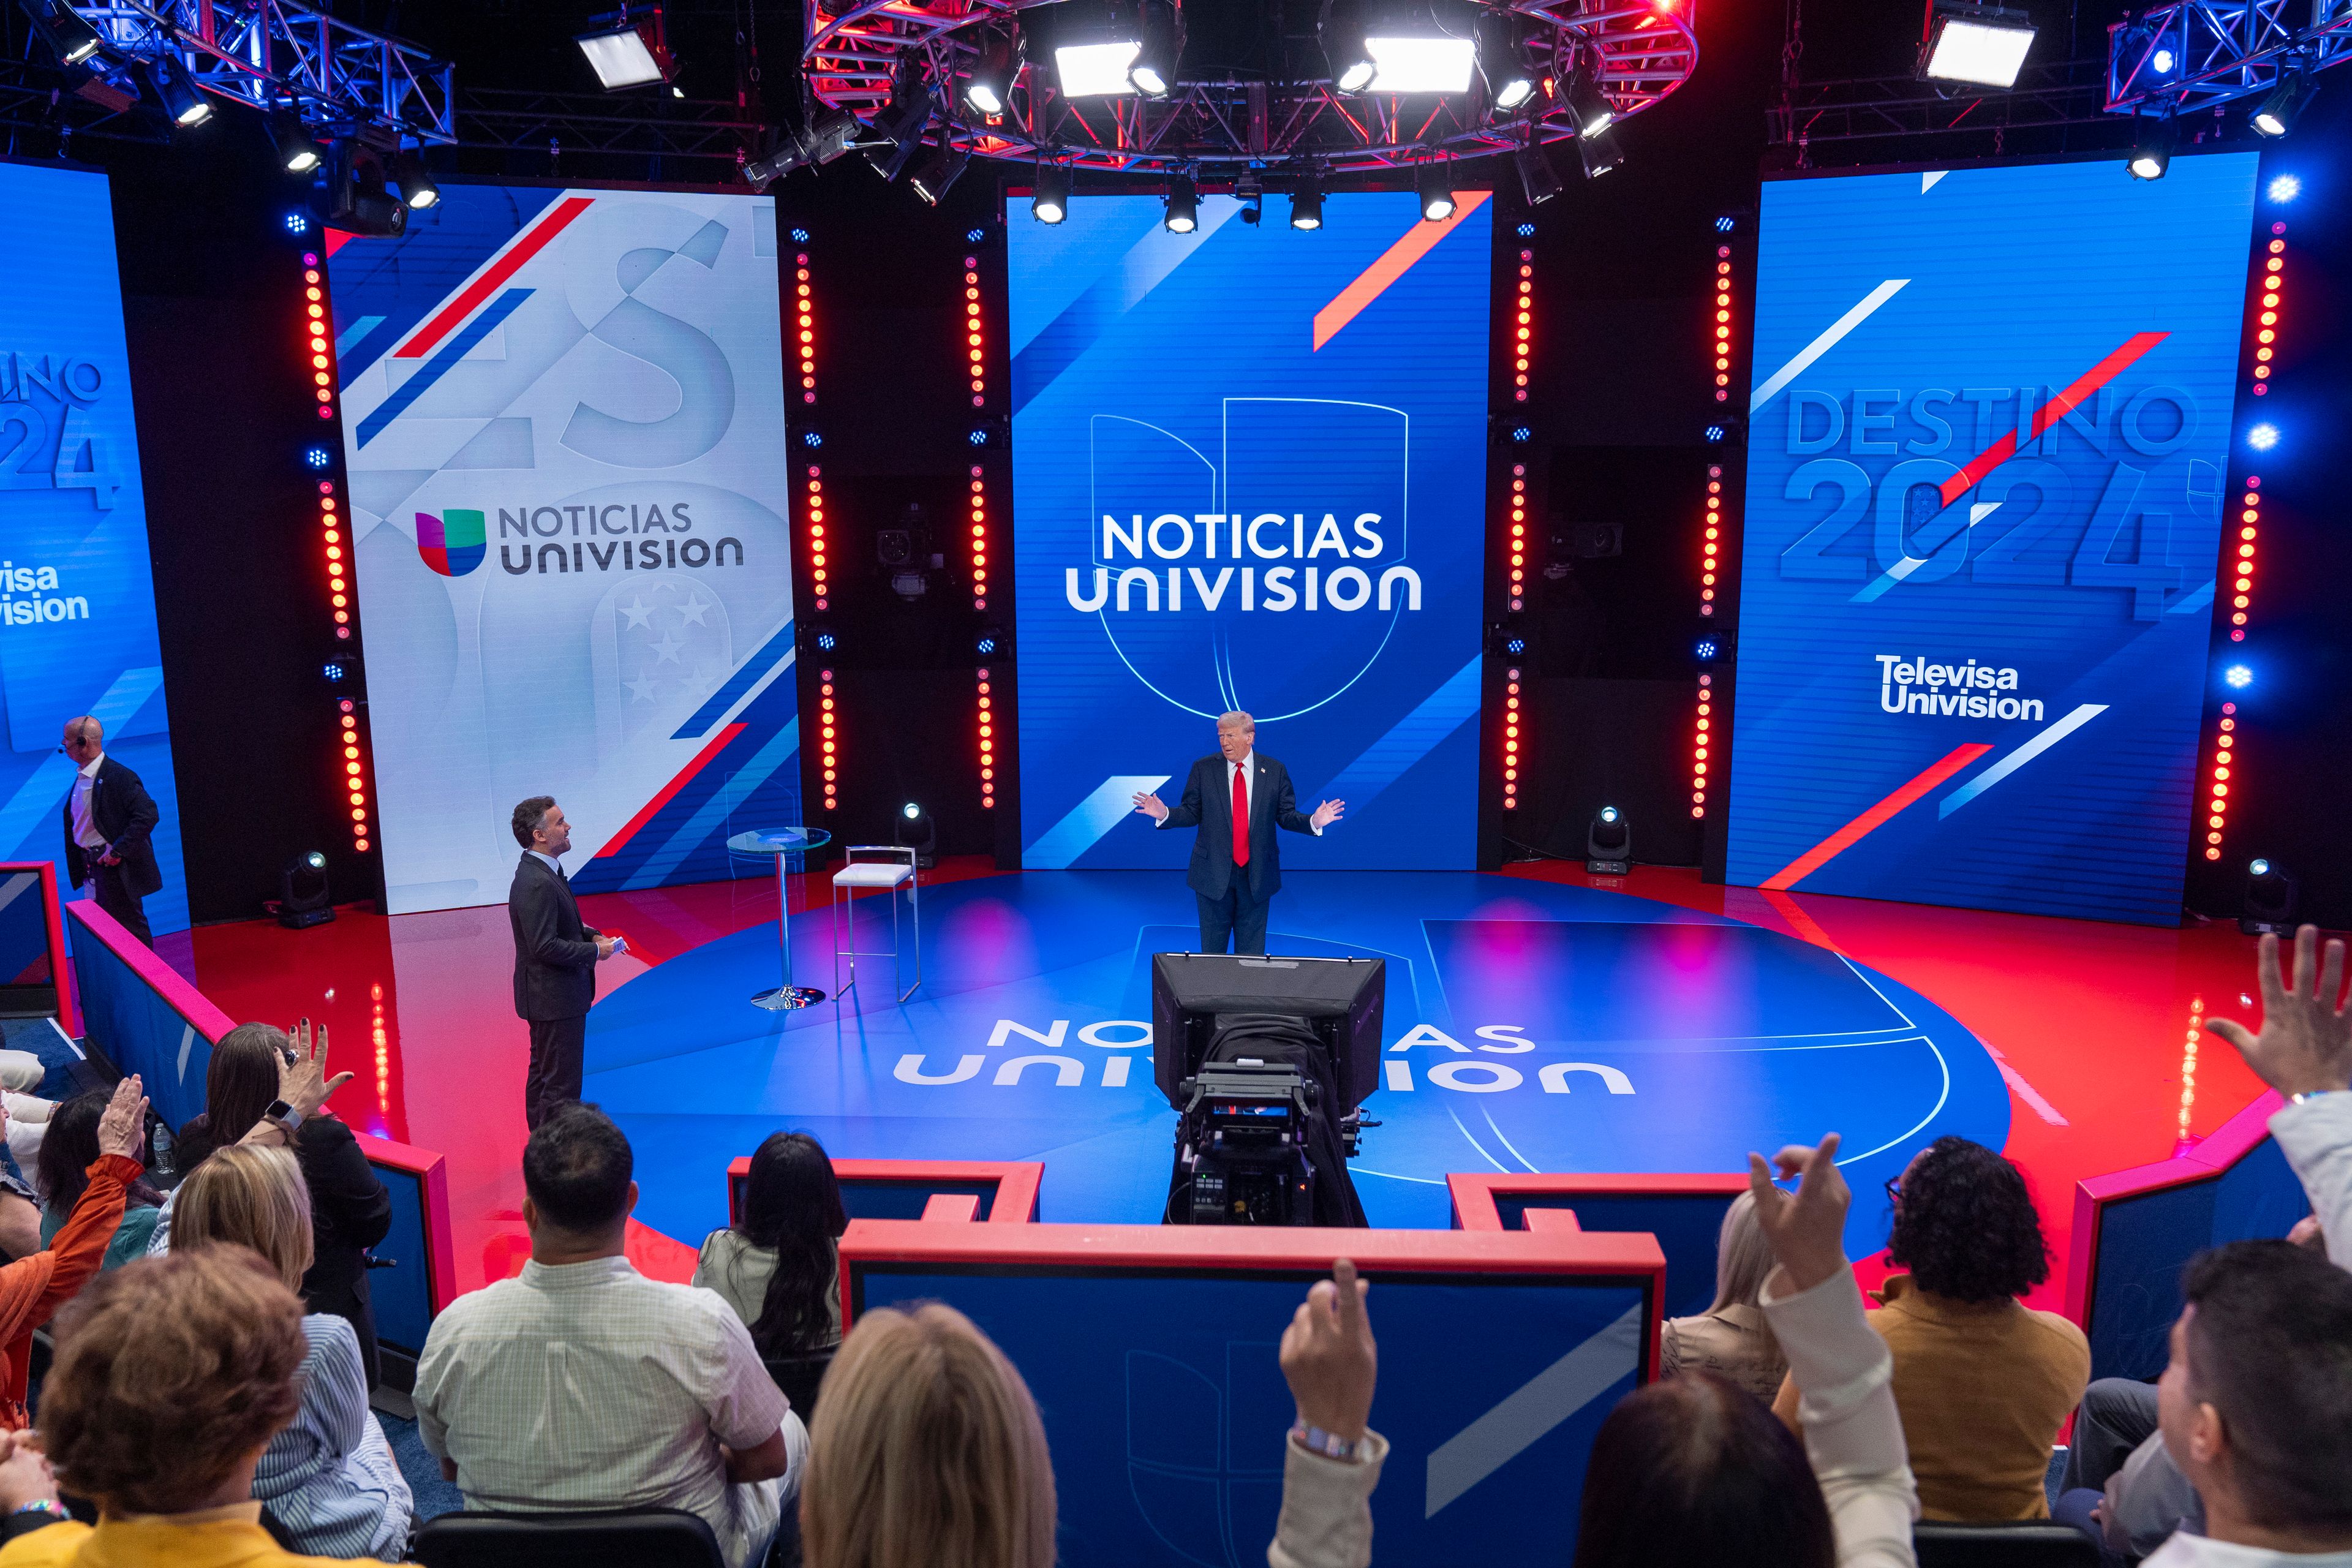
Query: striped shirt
{"points": [[329, 1476], [587, 1385]]}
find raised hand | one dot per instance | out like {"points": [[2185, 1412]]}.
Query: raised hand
{"points": [[2305, 1044], [1329, 1356], [1151, 805], [302, 1083], [1327, 814], [1806, 1227], [25, 1477], [123, 1129]]}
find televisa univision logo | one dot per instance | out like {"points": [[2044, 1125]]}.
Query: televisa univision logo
{"points": [[452, 543]]}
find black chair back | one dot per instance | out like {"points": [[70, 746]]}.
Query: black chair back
{"points": [[630, 1538], [2033, 1544], [800, 1376]]}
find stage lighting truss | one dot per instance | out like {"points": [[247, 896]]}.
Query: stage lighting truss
{"points": [[1623, 58], [2201, 54]]}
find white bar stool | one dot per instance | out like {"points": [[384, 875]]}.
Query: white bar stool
{"points": [[892, 874]]}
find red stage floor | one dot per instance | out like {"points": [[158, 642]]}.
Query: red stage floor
{"points": [[2095, 1025]]}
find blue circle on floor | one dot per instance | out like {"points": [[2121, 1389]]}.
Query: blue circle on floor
{"points": [[1539, 1028]]}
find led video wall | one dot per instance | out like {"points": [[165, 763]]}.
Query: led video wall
{"points": [[563, 425], [1988, 463], [1249, 472], [77, 595]]}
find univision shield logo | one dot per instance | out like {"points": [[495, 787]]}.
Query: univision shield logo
{"points": [[452, 543]]}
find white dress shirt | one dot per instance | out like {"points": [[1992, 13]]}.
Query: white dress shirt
{"points": [[86, 833], [551, 862]]}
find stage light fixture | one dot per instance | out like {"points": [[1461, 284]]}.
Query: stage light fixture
{"points": [[1509, 82], [1184, 214], [1601, 154], [2237, 677], [1705, 650], [1436, 192], [1411, 63], [986, 646], [2276, 114], [897, 132], [990, 86], [811, 439], [2285, 188], [2268, 907], [68, 36], [827, 641], [914, 830], [940, 171], [1095, 42], [357, 202], [1307, 203], [181, 99], [1153, 71], [298, 153], [2262, 437], [298, 223], [1342, 36], [1980, 44], [318, 457], [1609, 843], [1538, 181], [416, 186], [1715, 433], [628, 50], [821, 142], [303, 897], [2161, 61], [1725, 222], [1050, 201], [2151, 153], [1588, 107]]}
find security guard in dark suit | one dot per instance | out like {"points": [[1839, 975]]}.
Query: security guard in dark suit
{"points": [[109, 819]]}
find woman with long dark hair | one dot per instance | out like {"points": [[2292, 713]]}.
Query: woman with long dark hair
{"points": [[778, 1267], [68, 1151]]}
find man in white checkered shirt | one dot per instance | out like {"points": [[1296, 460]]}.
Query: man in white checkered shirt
{"points": [[582, 1386]]}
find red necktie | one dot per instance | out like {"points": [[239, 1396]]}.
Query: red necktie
{"points": [[1241, 819]]}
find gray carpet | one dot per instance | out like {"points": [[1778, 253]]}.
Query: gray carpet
{"points": [[433, 1496]]}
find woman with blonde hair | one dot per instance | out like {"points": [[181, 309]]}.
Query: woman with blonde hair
{"points": [[1732, 1338], [328, 1477]]}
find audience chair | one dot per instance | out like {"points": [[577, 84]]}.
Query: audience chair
{"points": [[892, 874], [630, 1538], [800, 1376], [2030, 1544]]}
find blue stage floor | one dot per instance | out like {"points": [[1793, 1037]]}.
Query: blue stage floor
{"points": [[1543, 1027]]}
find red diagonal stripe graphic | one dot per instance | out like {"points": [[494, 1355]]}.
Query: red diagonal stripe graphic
{"points": [[528, 244], [669, 790], [1870, 821], [1394, 263], [2098, 376]]}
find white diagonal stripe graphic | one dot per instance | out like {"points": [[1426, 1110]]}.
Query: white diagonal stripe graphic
{"points": [[1088, 820], [1829, 339], [1532, 1409], [2019, 757], [1901, 569]]}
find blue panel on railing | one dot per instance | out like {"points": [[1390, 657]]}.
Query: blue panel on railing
{"points": [[1686, 1224], [402, 1294], [23, 930], [138, 1030]]}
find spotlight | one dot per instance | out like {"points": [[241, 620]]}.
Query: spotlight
{"points": [[626, 52], [1609, 843], [1510, 83], [2151, 153], [1093, 44], [1601, 154], [990, 85], [1980, 44], [416, 186], [914, 830], [1420, 63], [2161, 61], [2285, 188], [1153, 71], [1516, 647], [1725, 222], [318, 457], [1526, 231], [1184, 206], [1589, 107], [2262, 437], [1436, 192], [1537, 179], [898, 130], [303, 897], [1306, 204], [1522, 433], [800, 236], [2276, 114], [2238, 677], [821, 142], [297, 153], [1050, 202], [68, 38], [974, 236], [2269, 901], [1715, 432], [811, 439], [1351, 64], [183, 100], [826, 642], [940, 171], [1705, 650], [357, 202], [986, 646], [298, 223]]}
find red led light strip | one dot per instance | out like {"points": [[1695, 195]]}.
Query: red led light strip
{"points": [[2266, 321], [1523, 338], [1511, 738], [987, 744], [1519, 535], [826, 737], [1722, 324], [1699, 744], [975, 349], [334, 548]]}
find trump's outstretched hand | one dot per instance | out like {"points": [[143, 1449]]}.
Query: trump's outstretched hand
{"points": [[1327, 814], [1151, 805]]}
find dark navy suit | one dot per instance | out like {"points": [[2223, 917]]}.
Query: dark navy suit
{"points": [[1234, 899], [555, 981]]}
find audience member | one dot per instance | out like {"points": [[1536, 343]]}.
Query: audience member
{"points": [[929, 1449], [1731, 1338], [70, 1149], [253, 1065], [2120, 1486], [172, 1376], [777, 1267], [34, 1286], [328, 1477], [1983, 1383], [582, 1385], [1690, 1472]]}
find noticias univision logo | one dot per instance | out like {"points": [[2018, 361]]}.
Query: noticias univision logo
{"points": [[452, 543]]}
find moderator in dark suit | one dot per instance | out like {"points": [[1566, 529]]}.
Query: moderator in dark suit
{"points": [[1233, 898], [125, 815], [554, 981]]}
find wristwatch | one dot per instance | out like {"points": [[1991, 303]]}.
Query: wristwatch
{"points": [[1329, 1445], [285, 1115]]}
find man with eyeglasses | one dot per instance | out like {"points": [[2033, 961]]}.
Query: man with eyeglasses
{"points": [[109, 820]]}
